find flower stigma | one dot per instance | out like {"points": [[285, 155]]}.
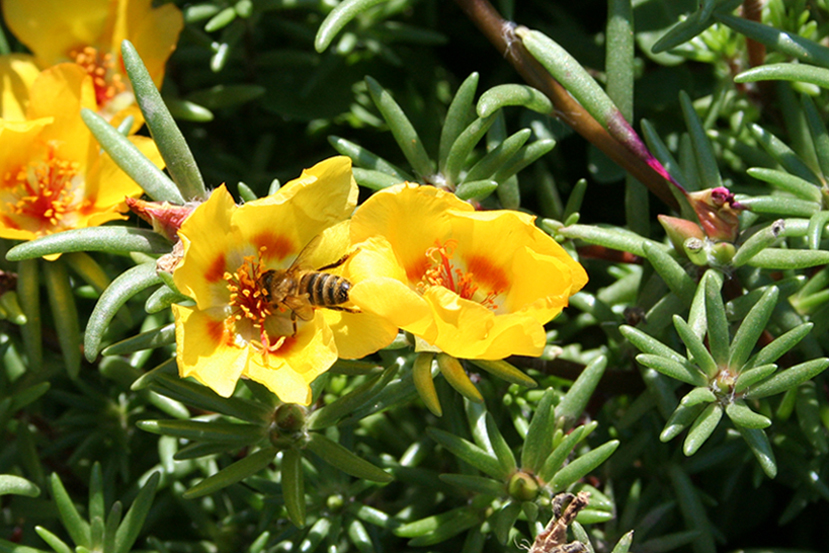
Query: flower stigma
{"points": [[249, 302], [443, 273]]}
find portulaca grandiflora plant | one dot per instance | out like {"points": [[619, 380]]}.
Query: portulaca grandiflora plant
{"points": [[353, 282]]}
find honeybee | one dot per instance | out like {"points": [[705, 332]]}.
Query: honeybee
{"points": [[300, 289]]}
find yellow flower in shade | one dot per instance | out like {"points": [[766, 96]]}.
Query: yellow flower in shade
{"points": [[233, 330], [90, 32], [474, 284], [54, 176]]}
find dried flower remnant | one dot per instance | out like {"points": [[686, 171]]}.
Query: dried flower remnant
{"points": [[553, 538]]}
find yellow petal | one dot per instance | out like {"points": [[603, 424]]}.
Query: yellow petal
{"points": [[153, 31], [61, 92], [50, 28], [107, 184], [205, 351], [296, 364], [17, 73], [211, 245]]}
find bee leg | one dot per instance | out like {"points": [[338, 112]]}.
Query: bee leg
{"points": [[293, 321], [341, 308], [338, 262]]}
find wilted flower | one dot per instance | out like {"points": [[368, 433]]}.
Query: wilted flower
{"points": [[475, 284], [54, 176], [234, 331], [89, 33]]}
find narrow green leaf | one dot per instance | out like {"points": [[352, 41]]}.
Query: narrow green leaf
{"points": [[808, 408], [360, 537], [339, 18], [818, 131], [320, 529], [758, 242], [574, 200], [343, 459], [131, 160], [682, 371], [458, 116], [693, 511], [499, 446], [15, 485], [788, 378], [718, 335], [28, 289], [780, 345], [807, 51], [205, 431], [463, 146], [475, 484], [77, 528], [423, 381], [649, 344], [456, 376], [742, 415], [497, 157], [174, 149], [773, 258], [374, 180], [151, 339], [504, 519], [505, 371], [697, 396], [226, 95], [96, 495], [706, 161], [162, 298], [674, 275], [751, 328], [689, 27], [200, 397], [401, 128], [469, 452], [799, 72], [115, 240], [817, 224], [64, 314], [537, 444], [134, 519], [572, 405], [113, 521], [703, 427], [752, 376], [184, 110], [476, 190], [231, 474], [760, 446], [525, 156], [679, 420], [122, 289], [701, 356], [504, 95], [57, 544], [584, 464], [293, 486], [365, 159], [611, 237], [779, 205], [787, 182], [347, 404], [456, 520], [783, 154]]}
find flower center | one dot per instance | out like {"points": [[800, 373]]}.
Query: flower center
{"points": [[43, 192], [442, 272], [106, 77], [249, 303]]}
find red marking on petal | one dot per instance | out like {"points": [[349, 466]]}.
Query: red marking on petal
{"points": [[416, 271], [216, 271], [486, 274], [276, 246], [216, 332]]}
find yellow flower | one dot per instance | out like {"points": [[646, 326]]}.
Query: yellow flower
{"points": [[474, 284], [54, 176], [90, 32], [234, 331]]}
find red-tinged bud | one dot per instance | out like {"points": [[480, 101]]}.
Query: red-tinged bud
{"points": [[718, 213], [680, 230], [166, 218]]}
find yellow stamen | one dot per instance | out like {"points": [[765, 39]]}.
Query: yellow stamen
{"points": [[105, 73]]}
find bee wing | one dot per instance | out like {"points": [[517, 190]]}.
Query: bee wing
{"points": [[300, 306], [302, 258]]}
